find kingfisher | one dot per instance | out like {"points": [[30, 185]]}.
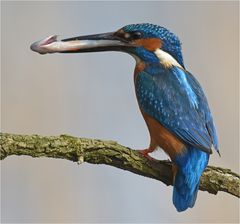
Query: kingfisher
{"points": [[171, 100]]}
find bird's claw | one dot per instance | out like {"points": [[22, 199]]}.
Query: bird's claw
{"points": [[144, 153]]}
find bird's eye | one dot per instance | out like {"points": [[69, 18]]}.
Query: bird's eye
{"points": [[136, 35], [129, 36]]}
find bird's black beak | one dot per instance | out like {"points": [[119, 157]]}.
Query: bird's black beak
{"points": [[90, 43]]}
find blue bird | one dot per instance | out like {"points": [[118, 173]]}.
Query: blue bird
{"points": [[170, 99]]}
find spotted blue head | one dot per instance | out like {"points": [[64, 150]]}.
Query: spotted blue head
{"points": [[147, 42]]}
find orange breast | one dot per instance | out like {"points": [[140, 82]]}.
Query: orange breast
{"points": [[140, 66], [160, 136]]}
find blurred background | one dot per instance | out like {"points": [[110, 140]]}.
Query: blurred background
{"points": [[92, 95]]}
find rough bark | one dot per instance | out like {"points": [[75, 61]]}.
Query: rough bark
{"points": [[111, 153]]}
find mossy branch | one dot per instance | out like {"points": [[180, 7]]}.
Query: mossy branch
{"points": [[94, 151]]}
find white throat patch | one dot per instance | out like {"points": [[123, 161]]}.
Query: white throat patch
{"points": [[166, 59]]}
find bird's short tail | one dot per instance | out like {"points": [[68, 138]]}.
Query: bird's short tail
{"points": [[190, 165]]}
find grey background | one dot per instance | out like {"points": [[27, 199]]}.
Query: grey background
{"points": [[92, 95]]}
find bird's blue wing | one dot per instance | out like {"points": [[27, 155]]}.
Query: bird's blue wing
{"points": [[175, 99], [204, 108]]}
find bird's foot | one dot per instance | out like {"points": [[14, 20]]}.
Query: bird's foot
{"points": [[144, 152]]}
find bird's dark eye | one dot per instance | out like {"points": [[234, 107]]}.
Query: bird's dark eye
{"points": [[136, 35], [129, 36]]}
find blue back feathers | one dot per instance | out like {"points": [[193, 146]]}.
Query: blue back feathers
{"points": [[175, 99], [171, 42]]}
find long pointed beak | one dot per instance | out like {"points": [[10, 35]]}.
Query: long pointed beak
{"points": [[91, 43]]}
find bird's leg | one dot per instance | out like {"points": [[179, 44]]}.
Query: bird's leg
{"points": [[145, 152], [150, 149]]}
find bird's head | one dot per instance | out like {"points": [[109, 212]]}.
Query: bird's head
{"points": [[146, 42]]}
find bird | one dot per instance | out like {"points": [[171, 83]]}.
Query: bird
{"points": [[171, 100]]}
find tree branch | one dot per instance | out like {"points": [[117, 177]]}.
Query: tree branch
{"points": [[95, 151]]}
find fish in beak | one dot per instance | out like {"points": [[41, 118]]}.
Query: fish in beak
{"points": [[90, 43]]}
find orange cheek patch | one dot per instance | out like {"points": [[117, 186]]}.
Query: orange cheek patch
{"points": [[150, 44]]}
